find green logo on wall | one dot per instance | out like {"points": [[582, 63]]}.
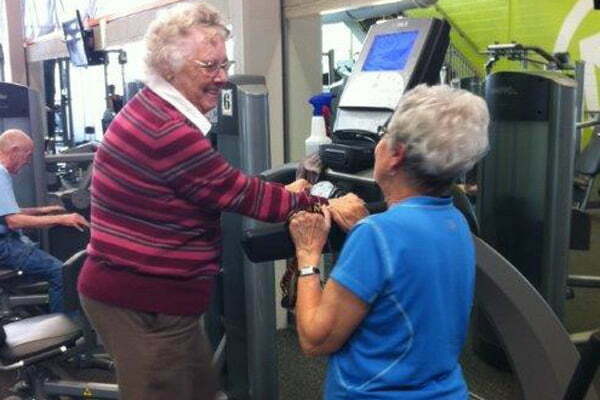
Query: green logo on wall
{"points": [[580, 36]]}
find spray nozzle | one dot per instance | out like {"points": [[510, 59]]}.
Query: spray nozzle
{"points": [[319, 101]]}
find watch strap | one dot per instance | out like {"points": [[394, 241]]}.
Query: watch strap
{"points": [[308, 270]]}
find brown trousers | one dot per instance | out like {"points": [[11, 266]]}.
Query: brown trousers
{"points": [[157, 356]]}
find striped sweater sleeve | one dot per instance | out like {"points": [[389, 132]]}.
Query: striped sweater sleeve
{"points": [[201, 175]]}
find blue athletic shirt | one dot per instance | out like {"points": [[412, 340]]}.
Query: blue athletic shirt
{"points": [[8, 203], [414, 265]]}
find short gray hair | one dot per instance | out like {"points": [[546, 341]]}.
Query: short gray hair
{"points": [[166, 48], [445, 132]]}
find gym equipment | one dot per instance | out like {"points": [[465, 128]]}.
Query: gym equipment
{"points": [[114, 102], [73, 171], [247, 298], [587, 167], [522, 53], [59, 114], [539, 349], [583, 377], [397, 55], [525, 186], [19, 299], [20, 109], [37, 346], [524, 203]]}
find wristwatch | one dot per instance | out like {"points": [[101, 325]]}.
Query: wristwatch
{"points": [[308, 270]]}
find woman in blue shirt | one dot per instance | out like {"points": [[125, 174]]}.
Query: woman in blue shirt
{"points": [[394, 315]]}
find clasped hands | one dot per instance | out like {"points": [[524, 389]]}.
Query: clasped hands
{"points": [[309, 230]]}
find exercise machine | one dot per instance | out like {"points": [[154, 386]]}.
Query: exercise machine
{"points": [[538, 347], [19, 299], [37, 347], [397, 55]]}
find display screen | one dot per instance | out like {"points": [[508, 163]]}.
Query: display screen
{"points": [[390, 52], [74, 40]]}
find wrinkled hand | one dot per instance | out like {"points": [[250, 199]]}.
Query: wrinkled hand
{"points": [[74, 220], [298, 186], [347, 210], [309, 232]]}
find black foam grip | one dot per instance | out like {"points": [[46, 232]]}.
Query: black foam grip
{"points": [[273, 242], [585, 371]]}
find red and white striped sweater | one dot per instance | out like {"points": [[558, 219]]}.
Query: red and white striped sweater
{"points": [[158, 190]]}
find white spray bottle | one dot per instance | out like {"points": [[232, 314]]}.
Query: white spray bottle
{"points": [[318, 130]]}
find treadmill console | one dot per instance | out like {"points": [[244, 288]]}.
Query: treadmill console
{"points": [[397, 55]]}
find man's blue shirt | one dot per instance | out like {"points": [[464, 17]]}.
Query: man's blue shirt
{"points": [[8, 203], [414, 265]]}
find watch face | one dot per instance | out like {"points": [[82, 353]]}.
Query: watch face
{"points": [[322, 189]]}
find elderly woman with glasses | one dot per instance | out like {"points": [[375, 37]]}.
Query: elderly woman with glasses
{"points": [[394, 314], [158, 190]]}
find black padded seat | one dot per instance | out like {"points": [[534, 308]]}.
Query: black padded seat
{"points": [[33, 288], [588, 161], [32, 336], [8, 273]]}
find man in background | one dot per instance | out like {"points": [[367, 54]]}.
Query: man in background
{"points": [[16, 250]]}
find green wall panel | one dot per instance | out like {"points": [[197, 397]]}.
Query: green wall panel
{"points": [[530, 22]]}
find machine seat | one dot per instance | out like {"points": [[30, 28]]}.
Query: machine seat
{"points": [[33, 288], [32, 336], [6, 274], [588, 162]]}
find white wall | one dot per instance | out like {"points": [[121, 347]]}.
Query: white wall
{"points": [[302, 8], [303, 78], [15, 67], [258, 51]]}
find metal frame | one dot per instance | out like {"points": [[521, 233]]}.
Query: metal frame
{"points": [[248, 288], [539, 348]]}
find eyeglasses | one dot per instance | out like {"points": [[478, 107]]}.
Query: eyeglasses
{"points": [[212, 67], [382, 131]]}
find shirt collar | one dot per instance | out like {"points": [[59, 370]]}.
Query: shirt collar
{"points": [[168, 93], [3, 168]]}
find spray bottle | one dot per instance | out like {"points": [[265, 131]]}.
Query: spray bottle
{"points": [[318, 129]]}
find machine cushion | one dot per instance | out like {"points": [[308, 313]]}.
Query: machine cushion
{"points": [[35, 335], [8, 273], [588, 162], [33, 288]]}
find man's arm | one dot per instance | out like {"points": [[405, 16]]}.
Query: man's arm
{"points": [[24, 221], [45, 210]]}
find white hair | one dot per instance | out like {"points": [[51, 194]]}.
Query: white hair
{"points": [[445, 131], [167, 44]]}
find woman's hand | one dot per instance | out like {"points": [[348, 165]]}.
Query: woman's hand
{"points": [[298, 186], [347, 210], [309, 232]]}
